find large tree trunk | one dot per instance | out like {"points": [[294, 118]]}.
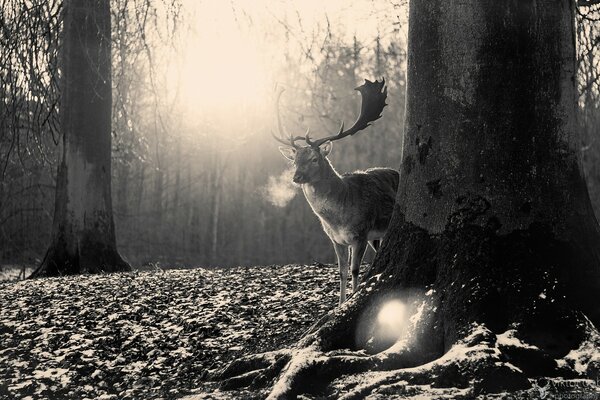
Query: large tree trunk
{"points": [[498, 127], [83, 228], [493, 237]]}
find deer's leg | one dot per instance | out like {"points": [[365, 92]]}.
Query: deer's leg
{"points": [[349, 258], [375, 244], [340, 251], [358, 251]]}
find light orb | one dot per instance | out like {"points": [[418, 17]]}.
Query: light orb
{"points": [[391, 315]]}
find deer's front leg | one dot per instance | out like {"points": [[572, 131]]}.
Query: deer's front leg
{"points": [[358, 251], [340, 251]]}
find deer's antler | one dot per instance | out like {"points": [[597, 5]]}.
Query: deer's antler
{"points": [[373, 101], [284, 137]]}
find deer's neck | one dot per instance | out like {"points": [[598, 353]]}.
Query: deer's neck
{"points": [[326, 191]]}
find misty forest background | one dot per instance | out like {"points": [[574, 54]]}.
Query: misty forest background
{"points": [[198, 180]]}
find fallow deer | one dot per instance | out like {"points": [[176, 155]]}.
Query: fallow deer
{"points": [[354, 208]]}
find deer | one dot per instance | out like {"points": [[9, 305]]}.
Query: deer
{"points": [[354, 208]]}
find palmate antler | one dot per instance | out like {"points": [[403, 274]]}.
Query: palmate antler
{"points": [[373, 95]]}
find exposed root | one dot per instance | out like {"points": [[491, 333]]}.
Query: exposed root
{"points": [[253, 371], [474, 363], [310, 371], [85, 253], [88, 257], [480, 363]]}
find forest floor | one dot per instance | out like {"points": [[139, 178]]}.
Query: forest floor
{"points": [[144, 335], [159, 334]]}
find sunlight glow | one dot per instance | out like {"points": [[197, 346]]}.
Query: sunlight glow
{"points": [[227, 73], [221, 68], [231, 55], [391, 317]]}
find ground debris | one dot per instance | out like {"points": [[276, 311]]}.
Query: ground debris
{"points": [[151, 334]]}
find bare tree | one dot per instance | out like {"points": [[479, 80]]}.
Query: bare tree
{"points": [[83, 230]]}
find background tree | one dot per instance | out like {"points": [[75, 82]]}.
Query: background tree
{"points": [[29, 126], [493, 235], [83, 231]]}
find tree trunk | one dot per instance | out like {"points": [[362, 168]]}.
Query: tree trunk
{"points": [[83, 228], [214, 238], [177, 189], [493, 234], [495, 143], [216, 189]]}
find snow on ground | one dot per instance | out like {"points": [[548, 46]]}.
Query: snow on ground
{"points": [[151, 334]]}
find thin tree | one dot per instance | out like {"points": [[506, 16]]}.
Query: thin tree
{"points": [[83, 238], [493, 233]]}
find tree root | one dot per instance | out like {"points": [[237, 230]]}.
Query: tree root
{"points": [[481, 362], [253, 371], [310, 371], [474, 361], [87, 256]]}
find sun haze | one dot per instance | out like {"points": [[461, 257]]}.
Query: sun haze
{"points": [[232, 54]]}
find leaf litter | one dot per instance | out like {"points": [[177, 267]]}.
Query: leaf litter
{"points": [[150, 334]]}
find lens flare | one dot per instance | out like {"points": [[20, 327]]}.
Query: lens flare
{"points": [[391, 317], [384, 323]]}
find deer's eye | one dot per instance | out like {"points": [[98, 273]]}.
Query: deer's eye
{"points": [[314, 160]]}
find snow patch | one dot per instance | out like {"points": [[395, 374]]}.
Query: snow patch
{"points": [[416, 317], [509, 339], [587, 352]]}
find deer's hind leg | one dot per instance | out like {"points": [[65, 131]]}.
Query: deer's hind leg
{"points": [[340, 252]]}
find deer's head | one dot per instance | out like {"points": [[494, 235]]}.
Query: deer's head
{"points": [[310, 161]]}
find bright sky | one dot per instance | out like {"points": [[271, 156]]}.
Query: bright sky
{"points": [[233, 51]]}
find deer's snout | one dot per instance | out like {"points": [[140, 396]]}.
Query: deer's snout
{"points": [[299, 177]]}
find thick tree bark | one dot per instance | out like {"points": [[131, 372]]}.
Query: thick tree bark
{"points": [[83, 228], [493, 247]]}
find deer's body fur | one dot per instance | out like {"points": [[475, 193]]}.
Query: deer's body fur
{"points": [[354, 206]]}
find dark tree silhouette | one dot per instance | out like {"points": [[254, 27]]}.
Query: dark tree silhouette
{"points": [[493, 232], [83, 228]]}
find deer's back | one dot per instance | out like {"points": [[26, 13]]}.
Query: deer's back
{"points": [[373, 190], [364, 208], [377, 181]]}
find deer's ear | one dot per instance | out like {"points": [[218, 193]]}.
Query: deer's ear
{"points": [[326, 148], [288, 152]]}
